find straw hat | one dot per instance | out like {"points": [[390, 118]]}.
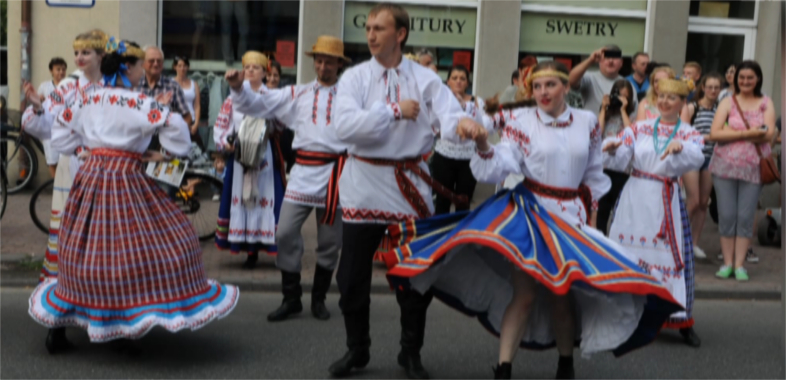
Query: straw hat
{"points": [[328, 45]]}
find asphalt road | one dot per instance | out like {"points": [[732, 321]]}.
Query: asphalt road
{"points": [[741, 339]]}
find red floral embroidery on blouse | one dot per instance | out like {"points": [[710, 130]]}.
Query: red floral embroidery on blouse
{"points": [[113, 99], [96, 98], [142, 96], [68, 115], [154, 116], [132, 103]]}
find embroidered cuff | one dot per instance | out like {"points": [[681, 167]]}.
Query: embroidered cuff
{"points": [[396, 111], [81, 149], [485, 155], [594, 206]]}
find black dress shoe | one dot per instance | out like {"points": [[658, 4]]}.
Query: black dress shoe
{"points": [[502, 371], [320, 311], [565, 368], [286, 309], [690, 337], [126, 347], [251, 261], [357, 358], [412, 366], [56, 341]]}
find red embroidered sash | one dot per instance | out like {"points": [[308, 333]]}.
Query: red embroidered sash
{"points": [[109, 152], [408, 189], [667, 225], [307, 158], [583, 193]]}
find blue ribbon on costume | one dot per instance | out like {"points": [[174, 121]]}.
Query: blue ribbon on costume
{"points": [[120, 48]]}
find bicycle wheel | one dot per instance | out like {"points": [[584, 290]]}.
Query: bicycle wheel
{"points": [[41, 205], [195, 199], [3, 192], [21, 163]]}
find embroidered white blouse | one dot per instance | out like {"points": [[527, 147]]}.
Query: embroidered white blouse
{"points": [[369, 121], [563, 157], [117, 118], [463, 150], [308, 111]]}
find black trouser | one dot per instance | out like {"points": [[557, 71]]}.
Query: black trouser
{"points": [[354, 282], [456, 176], [287, 136], [607, 203]]}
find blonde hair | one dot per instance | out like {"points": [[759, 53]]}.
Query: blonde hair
{"points": [[652, 97], [94, 39]]}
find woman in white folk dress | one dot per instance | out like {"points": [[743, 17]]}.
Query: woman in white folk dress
{"points": [[651, 220]]}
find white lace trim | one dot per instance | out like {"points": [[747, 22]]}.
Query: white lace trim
{"points": [[463, 151]]}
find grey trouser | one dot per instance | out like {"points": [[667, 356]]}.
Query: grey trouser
{"points": [[290, 240], [737, 202]]}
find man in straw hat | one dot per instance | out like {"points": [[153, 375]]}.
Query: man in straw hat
{"points": [[385, 109], [307, 110]]}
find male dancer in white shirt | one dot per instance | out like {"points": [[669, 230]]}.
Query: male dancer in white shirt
{"points": [[385, 110], [308, 111]]}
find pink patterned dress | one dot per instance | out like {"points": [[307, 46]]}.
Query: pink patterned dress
{"points": [[739, 159]]}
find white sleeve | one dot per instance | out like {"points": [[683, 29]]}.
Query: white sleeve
{"points": [[354, 124], [266, 104], [445, 109], [66, 134], [223, 125], [597, 181], [495, 165], [690, 158], [620, 160], [175, 136]]}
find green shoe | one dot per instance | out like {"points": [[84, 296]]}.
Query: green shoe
{"points": [[741, 274], [724, 272]]}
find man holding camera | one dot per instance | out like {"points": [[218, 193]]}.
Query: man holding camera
{"points": [[594, 85]]}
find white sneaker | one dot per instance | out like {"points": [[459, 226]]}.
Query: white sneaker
{"points": [[699, 253], [216, 198]]}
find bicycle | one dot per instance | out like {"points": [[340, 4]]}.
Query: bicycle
{"points": [[19, 157], [193, 197], [3, 191]]}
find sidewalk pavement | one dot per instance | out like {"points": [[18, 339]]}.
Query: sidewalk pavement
{"points": [[19, 240]]}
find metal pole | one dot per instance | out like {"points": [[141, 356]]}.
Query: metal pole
{"points": [[24, 33]]}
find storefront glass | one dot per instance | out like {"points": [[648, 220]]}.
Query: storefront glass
{"points": [[638, 5], [215, 34], [448, 33], [740, 10]]}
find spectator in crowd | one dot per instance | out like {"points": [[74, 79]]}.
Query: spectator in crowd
{"points": [[514, 78], [57, 68], [613, 118], [526, 64], [743, 127], [154, 84], [639, 79], [425, 58], [730, 70], [594, 85], [273, 81], [648, 108], [190, 95], [698, 183], [692, 71]]}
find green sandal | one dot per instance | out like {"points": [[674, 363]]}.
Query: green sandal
{"points": [[741, 274], [724, 272]]}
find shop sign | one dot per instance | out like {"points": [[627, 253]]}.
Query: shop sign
{"points": [[637, 5], [575, 34], [452, 27]]}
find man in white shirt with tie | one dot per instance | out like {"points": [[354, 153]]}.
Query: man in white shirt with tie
{"points": [[385, 110]]}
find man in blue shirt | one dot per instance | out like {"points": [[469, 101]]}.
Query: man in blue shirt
{"points": [[639, 79]]}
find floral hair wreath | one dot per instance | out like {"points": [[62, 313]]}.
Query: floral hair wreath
{"points": [[113, 46]]}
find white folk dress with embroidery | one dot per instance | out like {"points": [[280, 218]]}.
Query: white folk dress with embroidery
{"points": [[368, 119], [557, 156], [640, 211], [463, 150], [118, 126], [248, 225], [308, 111], [564, 157]]}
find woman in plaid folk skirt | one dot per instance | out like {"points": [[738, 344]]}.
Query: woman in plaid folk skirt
{"points": [[129, 258], [650, 220]]}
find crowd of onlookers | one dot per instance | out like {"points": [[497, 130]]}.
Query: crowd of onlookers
{"points": [[718, 106]]}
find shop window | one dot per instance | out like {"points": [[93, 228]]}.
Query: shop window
{"points": [[448, 33], [741, 10], [714, 51], [215, 34], [638, 5]]}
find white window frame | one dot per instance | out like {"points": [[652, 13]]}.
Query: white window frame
{"points": [[749, 47], [700, 20]]}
